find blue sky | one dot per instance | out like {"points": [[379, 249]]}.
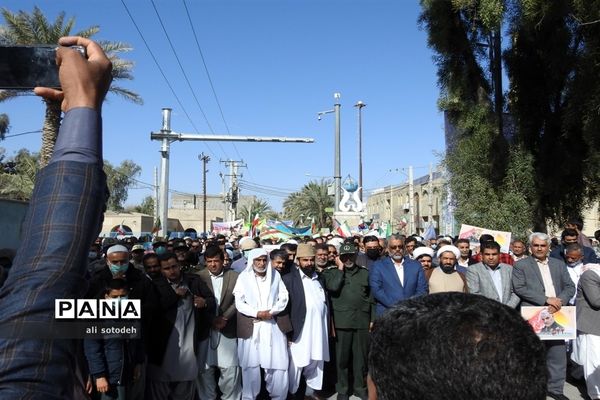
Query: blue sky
{"points": [[274, 65]]}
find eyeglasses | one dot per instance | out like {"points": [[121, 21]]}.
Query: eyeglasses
{"points": [[395, 247], [332, 252]]}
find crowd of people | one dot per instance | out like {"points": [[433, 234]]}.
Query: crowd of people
{"points": [[243, 318], [239, 317]]}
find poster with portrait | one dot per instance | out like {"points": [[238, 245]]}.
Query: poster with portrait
{"points": [[548, 326], [472, 233]]}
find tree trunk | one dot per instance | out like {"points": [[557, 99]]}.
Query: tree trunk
{"points": [[49, 131]]}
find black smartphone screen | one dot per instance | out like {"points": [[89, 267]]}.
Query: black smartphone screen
{"points": [[25, 67]]}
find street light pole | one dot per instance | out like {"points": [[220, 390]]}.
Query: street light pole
{"points": [[164, 172], [337, 175], [205, 159], [360, 105]]}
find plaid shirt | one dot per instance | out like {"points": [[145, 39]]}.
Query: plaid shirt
{"points": [[64, 217]]}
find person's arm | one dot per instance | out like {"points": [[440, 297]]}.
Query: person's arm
{"points": [[569, 288], [472, 281], [240, 301], [282, 300], [230, 311], [590, 286], [376, 283], [334, 278], [520, 287], [422, 285]]}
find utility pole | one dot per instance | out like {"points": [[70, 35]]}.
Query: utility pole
{"points": [[430, 187], [233, 192], [205, 159], [411, 200], [360, 105], [224, 196], [166, 136], [337, 175], [156, 212], [164, 173]]}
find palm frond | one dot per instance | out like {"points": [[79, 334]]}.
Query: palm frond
{"points": [[88, 32], [127, 94], [114, 47]]}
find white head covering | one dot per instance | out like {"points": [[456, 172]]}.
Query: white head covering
{"points": [[255, 253], [450, 248], [117, 248], [422, 251]]}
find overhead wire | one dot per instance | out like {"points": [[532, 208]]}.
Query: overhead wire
{"points": [[22, 133], [212, 86], [163, 74]]}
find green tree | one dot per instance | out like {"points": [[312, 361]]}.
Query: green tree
{"points": [[4, 125], [119, 180], [18, 183], [257, 206], [548, 169], [310, 202], [555, 99], [24, 28], [146, 206]]}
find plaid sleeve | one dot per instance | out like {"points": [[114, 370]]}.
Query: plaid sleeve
{"points": [[64, 217]]}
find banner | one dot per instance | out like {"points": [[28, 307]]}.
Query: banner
{"points": [[226, 226], [474, 232]]}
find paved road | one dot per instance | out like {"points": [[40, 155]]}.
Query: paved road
{"points": [[571, 391]]}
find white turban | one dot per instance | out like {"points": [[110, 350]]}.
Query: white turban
{"points": [[450, 248], [422, 251]]}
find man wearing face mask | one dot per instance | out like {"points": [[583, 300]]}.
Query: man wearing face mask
{"points": [[353, 310], [574, 258], [140, 287], [246, 246], [372, 252], [307, 308], [395, 278], [449, 276]]}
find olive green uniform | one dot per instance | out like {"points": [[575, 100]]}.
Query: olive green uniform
{"points": [[353, 310]]}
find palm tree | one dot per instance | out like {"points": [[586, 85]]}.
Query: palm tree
{"points": [[310, 202], [4, 124], [19, 185], [23, 28], [257, 206]]}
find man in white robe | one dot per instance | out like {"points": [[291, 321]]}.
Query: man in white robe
{"points": [[260, 296], [586, 349]]}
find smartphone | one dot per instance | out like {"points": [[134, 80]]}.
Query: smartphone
{"points": [[25, 67]]}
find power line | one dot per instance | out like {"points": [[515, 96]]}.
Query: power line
{"points": [[21, 134], [208, 76], [185, 75], [163, 73]]}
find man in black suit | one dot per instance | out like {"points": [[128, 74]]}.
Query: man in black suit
{"points": [[307, 308]]}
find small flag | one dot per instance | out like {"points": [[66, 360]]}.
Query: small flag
{"points": [[313, 226], [255, 222], [156, 226], [120, 229]]}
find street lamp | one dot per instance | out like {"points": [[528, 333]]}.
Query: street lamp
{"points": [[337, 177], [360, 105]]}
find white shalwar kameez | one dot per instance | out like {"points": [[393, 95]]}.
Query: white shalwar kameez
{"points": [[267, 348], [309, 352]]}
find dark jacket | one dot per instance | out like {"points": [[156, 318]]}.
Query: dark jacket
{"points": [[165, 321], [113, 359], [296, 308], [589, 255], [227, 301]]}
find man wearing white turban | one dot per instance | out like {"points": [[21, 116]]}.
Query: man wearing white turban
{"points": [[449, 276], [260, 296]]}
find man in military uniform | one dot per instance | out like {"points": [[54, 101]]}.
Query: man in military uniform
{"points": [[353, 313]]}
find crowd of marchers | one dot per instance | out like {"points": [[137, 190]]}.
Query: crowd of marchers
{"points": [[239, 317], [225, 318]]}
